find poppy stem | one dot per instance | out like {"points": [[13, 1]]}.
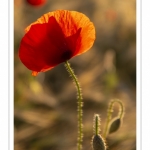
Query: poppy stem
{"points": [[80, 105], [96, 123]]}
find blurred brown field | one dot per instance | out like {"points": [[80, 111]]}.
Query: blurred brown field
{"points": [[45, 107]]}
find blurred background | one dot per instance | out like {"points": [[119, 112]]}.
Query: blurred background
{"points": [[45, 107]]}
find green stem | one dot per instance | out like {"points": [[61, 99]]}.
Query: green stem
{"points": [[96, 124], [121, 112], [79, 107], [109, 113]]}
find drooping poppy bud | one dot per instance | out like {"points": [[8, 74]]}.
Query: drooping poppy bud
{"points": [[55, 38], [114, 125]]}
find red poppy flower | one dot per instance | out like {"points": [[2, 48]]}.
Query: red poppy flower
{"points": [[55, 38], [36, 2]]}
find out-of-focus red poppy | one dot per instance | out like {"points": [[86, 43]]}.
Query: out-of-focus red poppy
{"points": [[55, 38], [36, 2], [111, 15]]}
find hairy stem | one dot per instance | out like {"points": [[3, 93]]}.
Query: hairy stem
{"points": [[80, 105]]}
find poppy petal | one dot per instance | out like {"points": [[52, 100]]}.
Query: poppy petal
{"points": [[41, 48], [73, 21]]}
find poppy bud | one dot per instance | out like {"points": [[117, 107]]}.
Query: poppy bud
{"points": [[114, 125], [98, 143]]}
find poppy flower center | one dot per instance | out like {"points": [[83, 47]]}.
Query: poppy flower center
{"points": [[66, 55]]}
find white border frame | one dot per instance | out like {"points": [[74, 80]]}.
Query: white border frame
{"points": [[145, 75], [4, 81], [6, 76]]}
